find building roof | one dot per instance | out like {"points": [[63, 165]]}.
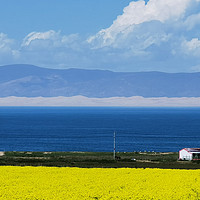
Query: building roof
{"points": [[192, 150]]}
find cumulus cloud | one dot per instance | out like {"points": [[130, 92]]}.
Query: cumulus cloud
{"points": [[5, 42], [31, 37], [8, 50], [192, 21], [160, 35], [192, 47], [153, 35], [137, 13], [50, 39], [53, 49]]}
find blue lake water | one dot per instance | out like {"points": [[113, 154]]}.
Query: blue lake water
{"points": [[91, 129]]}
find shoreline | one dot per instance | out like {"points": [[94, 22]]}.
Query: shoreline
{"points": [[82, 101]]}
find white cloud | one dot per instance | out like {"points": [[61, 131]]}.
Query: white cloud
{"points": [[52, 49], [192, 21], [49, 39], [8, 51], [149, 36], [5, 42], [39, 36], [192, 47], [194, 44], [160, 35], [137, 13]]}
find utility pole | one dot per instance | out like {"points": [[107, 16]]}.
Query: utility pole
{"points": [[114, 147]]}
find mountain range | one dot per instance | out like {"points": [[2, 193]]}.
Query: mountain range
{"points": [[32, 81]]}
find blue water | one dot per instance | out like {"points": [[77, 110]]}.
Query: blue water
{"points": [[91, 129]]}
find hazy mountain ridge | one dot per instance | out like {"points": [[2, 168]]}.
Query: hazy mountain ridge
{"points": [[32, 81]]}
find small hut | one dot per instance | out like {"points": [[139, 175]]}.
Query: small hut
{"points": [[189, 154]]}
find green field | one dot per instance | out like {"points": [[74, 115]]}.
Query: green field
{"points": [[97, 159]]}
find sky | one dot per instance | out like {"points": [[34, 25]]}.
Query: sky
{"points": [[116, 35]]}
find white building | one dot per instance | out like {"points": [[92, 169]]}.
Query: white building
{"points": [[189, 154]]}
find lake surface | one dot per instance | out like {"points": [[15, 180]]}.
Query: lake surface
{"points": [[91, 129]]}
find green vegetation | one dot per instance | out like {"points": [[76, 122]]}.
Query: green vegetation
{"points": [[97, 159]]}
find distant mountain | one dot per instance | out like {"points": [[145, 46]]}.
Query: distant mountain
{"points": [[32, 81]]}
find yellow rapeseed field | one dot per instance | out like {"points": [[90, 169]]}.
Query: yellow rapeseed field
{"points": [[76, 183]]}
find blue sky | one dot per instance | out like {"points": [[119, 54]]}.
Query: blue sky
{"points": [[19, 18], [117, 35]]}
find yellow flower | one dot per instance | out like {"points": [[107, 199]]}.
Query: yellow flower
{"points": [[79, 183]]}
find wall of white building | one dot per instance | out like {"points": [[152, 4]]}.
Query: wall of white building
{"points": [[185, 155]]}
